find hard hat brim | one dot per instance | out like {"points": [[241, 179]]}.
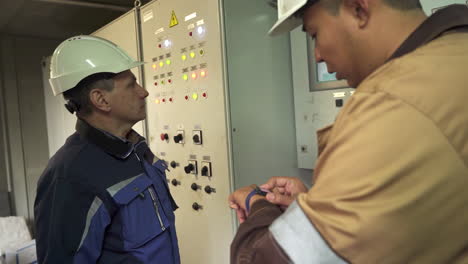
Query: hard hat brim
{"points": [[285, 25], [286, 19], [61, 84]]}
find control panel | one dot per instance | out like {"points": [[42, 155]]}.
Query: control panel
{"points": [[187, 121]]}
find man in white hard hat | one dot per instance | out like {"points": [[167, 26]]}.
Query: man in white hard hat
{"points": [[391, 176], [103, 197]]}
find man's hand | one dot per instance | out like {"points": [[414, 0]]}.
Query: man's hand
{"points": [[283, 190], [237, 201]]}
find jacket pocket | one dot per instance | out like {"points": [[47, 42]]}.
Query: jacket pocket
{"points": [[141, 213]]}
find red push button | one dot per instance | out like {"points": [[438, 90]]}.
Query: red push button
{"points": [[164, 136]]}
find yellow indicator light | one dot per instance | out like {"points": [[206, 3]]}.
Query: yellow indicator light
{"points": [[195, 96], [168, 61], [185, 77], [202, 73], [194, 76], [154, 66], [157, 101], [161, 64], [202, 52], [184, 57], [192, 54]]}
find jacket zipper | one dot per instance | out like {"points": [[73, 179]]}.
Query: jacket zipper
{"points": [[156, 207]]}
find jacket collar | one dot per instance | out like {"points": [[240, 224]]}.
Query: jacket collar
{"points": [[118, 147], [454, 17]]}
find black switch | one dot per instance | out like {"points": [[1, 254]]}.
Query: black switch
{"points": [[175, 182], [196, 139], [195, 186], [204, 171], [196, 206], [173, 164], [189, 168], [209, 190], [339, 102], [178, 138]]}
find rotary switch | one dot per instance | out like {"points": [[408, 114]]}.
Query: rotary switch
{"points": [[196, 206], [195, 186], [178, 138], [175, 182], [209, 189], [191, 168]]}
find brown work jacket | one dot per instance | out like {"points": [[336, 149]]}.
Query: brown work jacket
{"points": [[390, 184]]}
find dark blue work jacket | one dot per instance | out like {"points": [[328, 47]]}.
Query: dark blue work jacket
{"points": [[102, 199]]}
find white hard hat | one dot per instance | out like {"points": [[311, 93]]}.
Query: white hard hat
{"points": [[286, 19], [79, 57]]}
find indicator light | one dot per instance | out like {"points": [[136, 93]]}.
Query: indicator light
{"points": [[194, 75], [157, 101], [195, 96], [185, 77], [203, 73], [192, 54], [161, 64], [202, 52], [168, 62], [186, 97], [154, 66], [184, 57], [200, 30]]}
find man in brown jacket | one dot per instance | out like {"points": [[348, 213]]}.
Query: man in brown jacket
{"points": [[391, 177]]}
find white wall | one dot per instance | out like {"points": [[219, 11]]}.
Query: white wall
{"points": [[26, 134], [430, 5]]}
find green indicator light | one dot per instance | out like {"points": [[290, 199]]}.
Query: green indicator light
{"points": [[192, 54], [202, 52], [168, 61], [184, 57], [185, 77]]}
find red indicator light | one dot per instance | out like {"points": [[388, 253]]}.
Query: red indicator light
{"points": [[155, 83], [169, 81], [170, 99], [190, 33], [204, 94], [186, 97], [164, 100], [159, 45]]}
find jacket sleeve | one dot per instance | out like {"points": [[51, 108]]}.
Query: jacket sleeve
{"points": [[253, 242], [70, 222]]}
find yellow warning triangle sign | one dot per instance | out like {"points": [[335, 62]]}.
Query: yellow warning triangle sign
{"points": [[174, 21]]}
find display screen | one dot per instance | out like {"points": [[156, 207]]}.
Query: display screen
{"points": [[323, 75]]}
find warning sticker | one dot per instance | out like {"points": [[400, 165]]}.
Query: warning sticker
{"points": [[174, 21]]}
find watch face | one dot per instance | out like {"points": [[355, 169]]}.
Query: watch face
{"points": [[262, 192]]}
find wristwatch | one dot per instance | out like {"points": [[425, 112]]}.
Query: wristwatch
{"points": [[255, 191]]}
